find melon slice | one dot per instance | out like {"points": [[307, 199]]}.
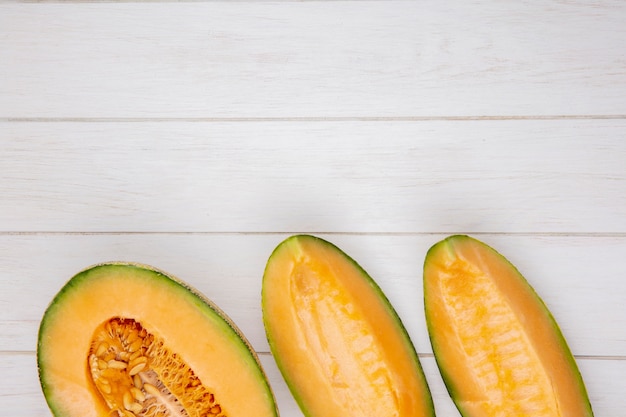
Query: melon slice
{"points": [[338, 342], [499, 350], [127, 340]]}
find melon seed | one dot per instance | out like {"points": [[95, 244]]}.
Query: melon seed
{"points": [[137, 394], [151, 389], [116, 364], [104, 386], [135, 345], [102, 347], [137, 382], [137, 365], [127, 399], [136, 408]]}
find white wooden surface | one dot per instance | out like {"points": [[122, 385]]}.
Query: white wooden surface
{"points": [[195, 136]]}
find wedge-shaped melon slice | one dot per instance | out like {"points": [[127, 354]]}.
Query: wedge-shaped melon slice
{"points": [[498, 348], [339, 344], [130, 341]]}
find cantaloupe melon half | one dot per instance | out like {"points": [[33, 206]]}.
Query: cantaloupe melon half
{"points": [[127, 340], [338, 342], [498, 348]]}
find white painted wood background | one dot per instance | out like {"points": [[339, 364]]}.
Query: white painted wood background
{"points": [[195, 136]]}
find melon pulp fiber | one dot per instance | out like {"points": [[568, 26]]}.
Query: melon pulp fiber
{"points": [[337, 341], [499, 350], [128, 340]]}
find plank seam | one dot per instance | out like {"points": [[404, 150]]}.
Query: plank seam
{"points": [[190, 1], [620, 235], [306, 119], [421, 355]]}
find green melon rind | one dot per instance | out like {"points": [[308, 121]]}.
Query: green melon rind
{"points": [[447, 244], [180, 288], [282, 366]]}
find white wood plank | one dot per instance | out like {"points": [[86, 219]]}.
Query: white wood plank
{"points": [[22, 397], [579, 278], [312, 59], [206, 132], [557, 176]]}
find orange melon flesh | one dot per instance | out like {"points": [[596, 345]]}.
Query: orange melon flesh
{"points": [[190, 325], [340, 346], [498, 347]]}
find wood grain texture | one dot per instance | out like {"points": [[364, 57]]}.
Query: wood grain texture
{"points": [[578, 277], [22, 397], [312, 59], [558, 176], [228, 268], [196, 135]]}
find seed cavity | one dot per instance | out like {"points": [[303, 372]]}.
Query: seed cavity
{"points": [[137, 375], [137, 394]]}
